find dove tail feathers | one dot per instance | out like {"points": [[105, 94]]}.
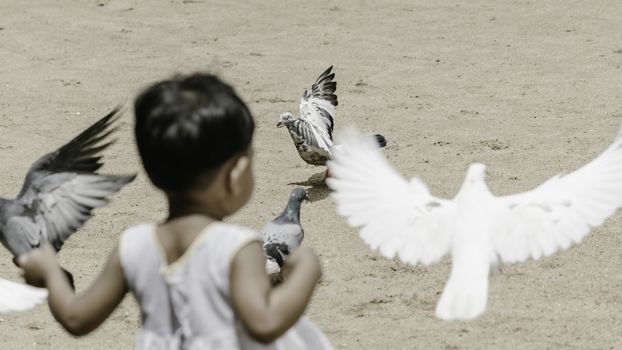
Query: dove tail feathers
{"points": [[466, 293]]}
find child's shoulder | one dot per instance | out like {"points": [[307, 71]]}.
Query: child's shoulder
{"points": [[231, 238], [234, 229], [218, 236], [231, 232], [134, 238], [138, 231]]}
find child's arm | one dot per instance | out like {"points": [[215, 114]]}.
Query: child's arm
{"points": [[78, 314], [269, 312]]}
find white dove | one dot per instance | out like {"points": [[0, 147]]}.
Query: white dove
{"points": [[19, 297], [401, 218]]}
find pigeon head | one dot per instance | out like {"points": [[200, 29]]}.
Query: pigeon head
{"points": [[291, 213], [476, 173], [285, 119], [474, 187], [299, 194], [475, 179]]}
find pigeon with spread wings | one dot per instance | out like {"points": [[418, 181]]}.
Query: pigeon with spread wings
{"points": [[312, 133], [60, 191], [400, 217], [19, 297]]}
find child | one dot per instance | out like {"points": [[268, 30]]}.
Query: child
{"points": [[200, 282]]}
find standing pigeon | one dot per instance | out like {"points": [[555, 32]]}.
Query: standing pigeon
{"points": [[60, 191], [312, 133], [283, 234], [19, 297], [401, 218]]}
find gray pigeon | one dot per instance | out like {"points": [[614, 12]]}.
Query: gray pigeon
{"points": [[312, 133], [60, 191], [283, 234]]}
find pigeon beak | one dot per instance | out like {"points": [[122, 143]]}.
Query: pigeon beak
{"points": [[279, 124], [305, 196]]}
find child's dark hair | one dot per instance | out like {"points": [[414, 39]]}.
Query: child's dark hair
{"points": [[188, 126]]}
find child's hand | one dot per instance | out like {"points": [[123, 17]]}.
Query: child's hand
{"points": [[37, 264]]}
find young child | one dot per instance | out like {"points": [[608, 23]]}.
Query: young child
{"points": [[200, 282]]}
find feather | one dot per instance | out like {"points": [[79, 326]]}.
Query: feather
{"points": [[400, 218], [19, 297]]}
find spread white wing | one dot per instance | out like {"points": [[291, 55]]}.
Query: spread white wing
{"points": [[318, 107], [397, 217], [19, 297], [562, 210]]}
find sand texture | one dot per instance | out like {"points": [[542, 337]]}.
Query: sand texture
{"points": [[530, 88]]}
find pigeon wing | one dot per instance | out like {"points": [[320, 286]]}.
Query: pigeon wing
{"points": [[309, 135], [562, 210], [56, 205], [398, 217], [318, 108], [62, 188], [284, 233], [80, 155], [19, 297]]}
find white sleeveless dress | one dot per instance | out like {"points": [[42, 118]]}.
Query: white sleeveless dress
{"points": [[186, 305]]}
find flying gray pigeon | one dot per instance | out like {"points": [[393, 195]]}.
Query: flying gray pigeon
{"points": [[60, 191], [401, 218], [19, 297], [283, 234], [312, 133]]}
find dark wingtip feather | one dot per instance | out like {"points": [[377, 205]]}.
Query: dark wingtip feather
{"points": [[324, 87], [381, 140], [82, 152], [126, 179], [99, 126], [327, 71], [119, 180]]}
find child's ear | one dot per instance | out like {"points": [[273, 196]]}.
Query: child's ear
{"points": [[235, 174]]}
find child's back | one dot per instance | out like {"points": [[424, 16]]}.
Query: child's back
{"points": [[189, 297]]}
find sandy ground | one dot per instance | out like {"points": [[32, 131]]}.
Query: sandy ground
{"points": [[529, 88]]}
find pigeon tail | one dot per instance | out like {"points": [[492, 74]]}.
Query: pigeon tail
{"points": [[466, 293], [274, 272], [272, 267], [381, 140]]}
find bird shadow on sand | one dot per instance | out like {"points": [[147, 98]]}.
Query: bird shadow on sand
{"points": [[318, 189]]}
